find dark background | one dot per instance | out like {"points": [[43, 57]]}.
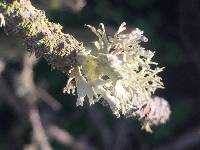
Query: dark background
{"points": [[173, 30]]}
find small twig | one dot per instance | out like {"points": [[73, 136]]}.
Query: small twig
{"points": [[186, 140], [26, 89], [11, 100], [66, 139], [38, 130], [24, 103], [60, 135], [2, 66], [48, 99], [74, 5]]}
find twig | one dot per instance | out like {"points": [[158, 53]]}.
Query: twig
{"points": [[66, 139], [74, 5], [60, 135], [38, 129], [186, 140], [11, 100], [48, 99], [26, 89]]}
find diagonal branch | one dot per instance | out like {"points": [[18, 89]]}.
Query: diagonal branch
{"points": [[38, 129], [42, 37]]}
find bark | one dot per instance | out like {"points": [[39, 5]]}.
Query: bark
{"points": [[41, 36]]}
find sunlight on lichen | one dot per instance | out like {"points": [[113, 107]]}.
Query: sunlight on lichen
{"points": [[118, 71]]}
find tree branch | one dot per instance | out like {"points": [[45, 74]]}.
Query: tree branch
{"points": [[42, 37], [186, 140], [38, 129]]}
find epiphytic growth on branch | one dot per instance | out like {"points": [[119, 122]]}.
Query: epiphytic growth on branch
{"points": [[118, 72]]}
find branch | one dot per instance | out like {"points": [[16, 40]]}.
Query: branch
{"points": [[186, 140], [42, 37], [48, 99], [66, 139], [24, 102], [117, 70], [38, 129]]}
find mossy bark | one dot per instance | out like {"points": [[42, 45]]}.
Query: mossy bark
{"points": [[42, 37]]}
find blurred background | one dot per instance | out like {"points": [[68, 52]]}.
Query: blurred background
{"points": [[173, 29]]}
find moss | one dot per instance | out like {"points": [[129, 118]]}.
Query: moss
{"points": [[14, 6], [29, 27], [41, 36]]}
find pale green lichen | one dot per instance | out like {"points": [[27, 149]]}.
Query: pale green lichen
{"points": [[117, 70], [2, 20]]}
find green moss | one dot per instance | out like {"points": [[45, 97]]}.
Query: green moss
{"points": [[14, 6], [45, 40], [41, 36], [29, 27]]}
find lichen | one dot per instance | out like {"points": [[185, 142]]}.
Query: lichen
{"points": [[2, 20], [118, 70]]}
